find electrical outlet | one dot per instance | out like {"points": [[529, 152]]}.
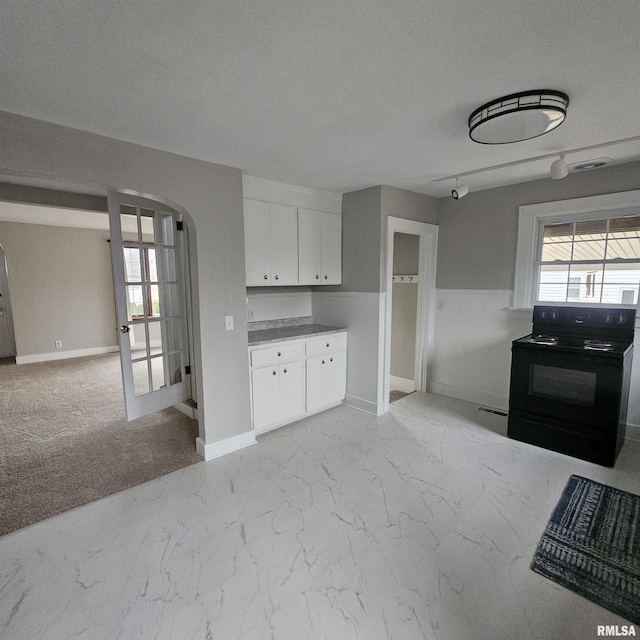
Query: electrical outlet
{"points": [[58, 344], [251, 315], [228, 323]]}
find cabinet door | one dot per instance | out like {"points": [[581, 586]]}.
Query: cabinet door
{"points": [[257, 247], [265, 389], [331, 249], [310, 246], [326, 380], [337, 385], [292, 389], [283, 237]]}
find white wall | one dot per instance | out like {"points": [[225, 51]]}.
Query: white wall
{"points": [[61, 288], [472, 360], [278, 304]]}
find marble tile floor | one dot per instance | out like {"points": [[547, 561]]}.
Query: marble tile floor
{"points": [[418, 524]]}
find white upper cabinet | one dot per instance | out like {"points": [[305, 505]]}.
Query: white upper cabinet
{"points": [[320, 247], [271, 244]]}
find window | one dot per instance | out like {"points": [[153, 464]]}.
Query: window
{"points": [[140, 267], [579, 251], [595, 261]]}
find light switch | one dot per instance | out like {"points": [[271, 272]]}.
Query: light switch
{"points": [[228, 323]]}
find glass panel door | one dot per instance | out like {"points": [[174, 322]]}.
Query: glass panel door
{"points": [[150, 303]]}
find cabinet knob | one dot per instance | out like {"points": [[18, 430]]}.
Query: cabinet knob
{"points": [[274, 373], [326, 277], [323, 362], [285, 371], [327, 344], [279, 354], [317, 277], [266, 277], [330, 359], [277, 277]]}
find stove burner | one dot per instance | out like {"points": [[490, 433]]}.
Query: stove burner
{"points": [[540, 339], [599, 345]]}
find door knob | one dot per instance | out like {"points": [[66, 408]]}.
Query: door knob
{"points": [[125, 329]]}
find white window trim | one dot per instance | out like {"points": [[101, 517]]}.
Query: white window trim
{"points": [[529, 220]]}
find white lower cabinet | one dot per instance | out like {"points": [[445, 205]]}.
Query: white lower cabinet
{"points": [[278, 393], [292, 379], [326, 380]]}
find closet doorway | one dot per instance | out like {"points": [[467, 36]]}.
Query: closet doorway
{"points": [[410, 299]]}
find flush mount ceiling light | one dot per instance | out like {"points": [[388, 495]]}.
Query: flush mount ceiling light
{"points": [[517, 117], [559, 168]]}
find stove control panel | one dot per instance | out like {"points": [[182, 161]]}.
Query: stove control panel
{"points": [[597, 318]]}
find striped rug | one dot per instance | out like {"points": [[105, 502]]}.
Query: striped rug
{"points": [[592, 546]]}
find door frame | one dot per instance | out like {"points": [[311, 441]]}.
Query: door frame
{"points": [[425, 315], [6, 304]]}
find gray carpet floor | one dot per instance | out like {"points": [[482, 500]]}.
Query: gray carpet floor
{"points": [[65, 440]]}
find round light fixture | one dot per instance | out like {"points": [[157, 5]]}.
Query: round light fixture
{"points": [[517, 117]]}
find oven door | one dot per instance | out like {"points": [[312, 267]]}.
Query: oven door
{"points": [[572, 387]]}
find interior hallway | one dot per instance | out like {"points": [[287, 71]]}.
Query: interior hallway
{"points": [[417, 524]]}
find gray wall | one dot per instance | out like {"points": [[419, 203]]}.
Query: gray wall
{"points": [[61, 287], [477, 235], [51, 197], [210, 195], [361, 240], [364, 216]]}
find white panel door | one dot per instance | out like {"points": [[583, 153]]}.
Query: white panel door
{"points": [[310, 246], [146, 249], [257, 243], [331, 249], [283, 236]]}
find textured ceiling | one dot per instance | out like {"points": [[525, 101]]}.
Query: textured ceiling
{"points": [[333, 95]]}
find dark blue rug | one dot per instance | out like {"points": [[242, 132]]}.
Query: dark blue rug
{"points": [[592, 546]]}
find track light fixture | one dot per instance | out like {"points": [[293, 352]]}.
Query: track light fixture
{"points": [[459, 191], [559, 168]]}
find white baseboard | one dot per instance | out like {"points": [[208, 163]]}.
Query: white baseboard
{"points": [[402, 384], [65, 355], [211, 450], [471, 395], [376, 409], [633, 433], [188, 411]]}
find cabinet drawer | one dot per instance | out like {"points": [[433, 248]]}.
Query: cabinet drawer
{"points": [[327, 344], [284, 352]]}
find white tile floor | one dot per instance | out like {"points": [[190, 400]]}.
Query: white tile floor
{"points": [[418, 524]]}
